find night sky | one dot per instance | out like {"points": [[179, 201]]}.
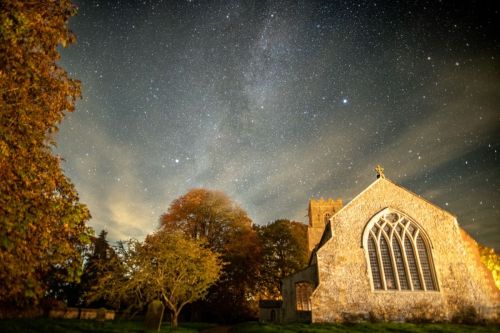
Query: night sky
{"points": [[277, 102]]}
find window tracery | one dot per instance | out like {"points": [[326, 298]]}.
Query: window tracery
{"points": [[398, 254]]}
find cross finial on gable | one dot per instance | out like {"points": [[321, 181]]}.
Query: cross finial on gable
{"points": [[380, 171]]}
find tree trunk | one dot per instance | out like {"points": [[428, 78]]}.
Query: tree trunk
{"points": [[173, 320]]}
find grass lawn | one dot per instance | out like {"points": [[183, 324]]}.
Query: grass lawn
{"points": [[253, 327], [46, 325]]}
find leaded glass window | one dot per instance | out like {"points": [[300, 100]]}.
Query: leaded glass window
{"points": [[374, 264], [390, 281], [303, 292], [400, 264], [412, 264], [424, 263], [398, 254]]}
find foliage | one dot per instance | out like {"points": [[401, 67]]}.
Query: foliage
{"points": [[226, 227], [113, 284], [211, 215], [284, 252], [42, 223], [101, 259], [168, 266], [492, 261], [182, 270]]}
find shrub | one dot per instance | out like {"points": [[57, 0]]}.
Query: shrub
{"points": [[466, 314]]}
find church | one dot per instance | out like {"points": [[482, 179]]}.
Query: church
{"points": [[389, 255]]}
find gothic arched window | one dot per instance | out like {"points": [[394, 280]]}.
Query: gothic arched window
{"points": [[398, 253], [303, 292]]}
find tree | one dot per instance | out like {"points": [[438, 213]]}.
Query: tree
{"points": [[168, 266], [284, 252], [492, 261], [113, 285], [101, 259], [212, 216], [60, 290], [42, 223]]}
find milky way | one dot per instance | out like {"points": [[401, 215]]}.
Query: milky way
{"points": [[277, 102]]}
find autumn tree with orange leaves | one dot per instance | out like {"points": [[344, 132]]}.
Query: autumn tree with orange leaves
{"points": [[42, 224], [226, 228]]}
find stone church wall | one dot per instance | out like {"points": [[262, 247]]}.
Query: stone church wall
{"points": [[482, 278], [289, 312], [345, 289]]}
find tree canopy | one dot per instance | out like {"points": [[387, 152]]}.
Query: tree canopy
{"points": [[227, 229], [284, 251], [206, 214], [100, 259], [42, 223], [166, 266]]}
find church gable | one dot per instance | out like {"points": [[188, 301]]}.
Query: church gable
{"points": [[383, 194], [352, 219], [391, 249]]}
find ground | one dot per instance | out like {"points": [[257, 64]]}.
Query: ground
{"points": [[42, 325]]}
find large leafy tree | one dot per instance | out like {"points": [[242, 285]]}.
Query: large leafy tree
{"points": [[167, 266], [212, 216], [206, 214], [284, 251], [42, 223]]}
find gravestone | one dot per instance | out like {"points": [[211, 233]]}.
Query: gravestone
{"points": [[154, 315], [101, 314]]}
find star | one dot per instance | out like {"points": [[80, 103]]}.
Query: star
{"points": [[263, 91]]}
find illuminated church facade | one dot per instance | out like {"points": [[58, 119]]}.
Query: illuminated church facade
{"points": [[388, 254]]}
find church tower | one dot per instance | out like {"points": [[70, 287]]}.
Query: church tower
{"points": [[320, 212]]}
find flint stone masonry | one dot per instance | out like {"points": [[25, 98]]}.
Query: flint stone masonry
{"points": [[343, 289]]}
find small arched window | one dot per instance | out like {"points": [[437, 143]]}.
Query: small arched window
{"points": [[303, 292], [398, 254], [327, 217]]}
